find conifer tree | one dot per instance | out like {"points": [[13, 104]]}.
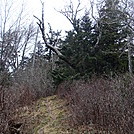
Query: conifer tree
{"points": [[114, 33]]}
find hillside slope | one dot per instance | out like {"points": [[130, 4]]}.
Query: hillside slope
{"points": [[48, 116]]}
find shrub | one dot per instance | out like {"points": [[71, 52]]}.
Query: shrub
{"points": [[106, 103], [11, 98], [21, 88]]}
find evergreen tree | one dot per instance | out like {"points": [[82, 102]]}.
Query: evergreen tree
{"points": [[78, 49], [113, 38], [104, 57]]}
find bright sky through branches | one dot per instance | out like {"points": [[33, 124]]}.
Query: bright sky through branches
{"points": [[34, 7], [57, 20]]}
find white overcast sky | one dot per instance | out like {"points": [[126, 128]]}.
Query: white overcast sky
{"points": [[57, 20], [33, 7]]}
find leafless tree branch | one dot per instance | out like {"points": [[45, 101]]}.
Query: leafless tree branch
{"points": [[51, 47]]}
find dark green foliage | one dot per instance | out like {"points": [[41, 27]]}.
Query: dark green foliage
{"points": [[77, 49], [78, 46], [89, 57], [114, 32]]}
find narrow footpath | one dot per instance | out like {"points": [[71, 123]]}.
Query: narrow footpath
{"points": [[48, 116]]}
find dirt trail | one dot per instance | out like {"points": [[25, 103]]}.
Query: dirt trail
{"points": [[48, 116], [56, 116]]}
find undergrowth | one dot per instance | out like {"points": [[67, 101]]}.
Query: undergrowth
{"points": [[108, 104]]}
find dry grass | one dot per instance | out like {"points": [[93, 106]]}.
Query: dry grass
{"points": [[49, 116], [46, 116]]}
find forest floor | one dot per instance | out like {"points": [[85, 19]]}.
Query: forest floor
{"points": [[48, 116]]}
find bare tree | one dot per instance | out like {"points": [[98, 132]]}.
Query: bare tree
{"points": [[71, 13], [128, 11], [35, 45], [49, 45], [15, 38]]}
